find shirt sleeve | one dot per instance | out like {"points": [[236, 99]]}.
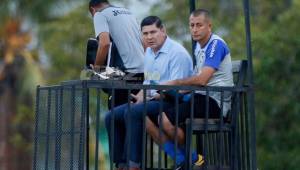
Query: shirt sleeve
{"points": [[181, 66], [100, 23], [216, 52]]}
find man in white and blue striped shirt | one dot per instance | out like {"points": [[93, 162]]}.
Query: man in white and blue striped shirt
{"points": [[213, 68]]}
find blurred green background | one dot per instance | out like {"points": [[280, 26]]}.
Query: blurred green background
{"points": [[42, 42]]}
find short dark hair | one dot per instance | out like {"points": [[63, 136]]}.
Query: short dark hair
{"points": [[150, 20], [96, 2], [199, 12]]}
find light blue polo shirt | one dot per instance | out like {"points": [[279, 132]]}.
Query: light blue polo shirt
{"points": [[171, 62]]}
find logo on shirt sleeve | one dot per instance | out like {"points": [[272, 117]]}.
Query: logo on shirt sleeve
{"points": [[213, 48]]}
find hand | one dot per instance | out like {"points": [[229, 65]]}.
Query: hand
{"points": [[156, 96], [169, 83], [184, 91], [95, 67], [139, 98]]}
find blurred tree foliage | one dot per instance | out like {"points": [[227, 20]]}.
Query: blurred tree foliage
{"points": [[64, 40], [277, 61], [20, 73], [276, 52]]}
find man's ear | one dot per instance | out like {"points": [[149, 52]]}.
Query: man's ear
{"points": [[164, 30], [210, 26]]}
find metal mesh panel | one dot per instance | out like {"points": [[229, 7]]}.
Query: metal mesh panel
{"points": [[51, 152], [45, 132], [40, 148], [58, 128], [42, 111]]}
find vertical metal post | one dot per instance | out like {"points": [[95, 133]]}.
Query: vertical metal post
{"points": [[192, 5], [220, 148], [83, 128], [97, 129], [248, 130], [176, 126], [72, 121], [58, 122], [112, 130], [128, 131], [48, 129], [151, 153], [37, 111], [205, 149], [86, 91], [237, 138], [189, 132], [160, 131], [251, 96], [243, 132], [144, 151], [192, 8], [61, 89], [189, 160]]}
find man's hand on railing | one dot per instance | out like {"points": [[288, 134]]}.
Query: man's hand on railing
{"points": [[156, 97], [169, 83], [138, 98]]}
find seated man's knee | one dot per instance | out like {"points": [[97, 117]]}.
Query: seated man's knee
{"points": [[133, 114], [167, 125], [149, 124]]}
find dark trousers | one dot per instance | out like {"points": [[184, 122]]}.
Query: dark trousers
{"points": [[128, 123], [184, 110], [121, 95]]}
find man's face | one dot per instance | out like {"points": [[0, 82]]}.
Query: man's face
{"points": [[200, 27], [153, 37]]}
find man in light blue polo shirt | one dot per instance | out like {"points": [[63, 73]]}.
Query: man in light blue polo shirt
{"points": [[165, 60]]}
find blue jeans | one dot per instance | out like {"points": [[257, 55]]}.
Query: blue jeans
{"points": [[128, 128]]}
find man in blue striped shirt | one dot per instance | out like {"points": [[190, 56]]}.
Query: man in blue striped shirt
{"points": [[213, 68]]}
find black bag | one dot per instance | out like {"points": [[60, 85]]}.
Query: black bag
{"points": [[91, 52]]}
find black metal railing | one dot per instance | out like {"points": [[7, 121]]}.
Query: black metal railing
{"points": [[64, 114]]}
